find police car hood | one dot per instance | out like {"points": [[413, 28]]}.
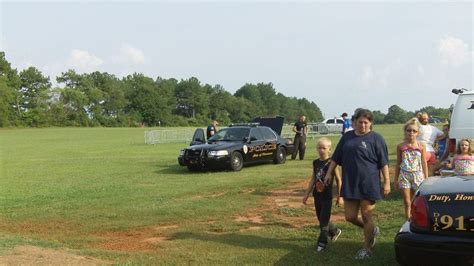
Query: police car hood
{"points": [[215, 146], [448, 185]]}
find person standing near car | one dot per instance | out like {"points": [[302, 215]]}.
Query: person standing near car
{"points": [[301, 130], [363, 155], [212, 129], [428, 135], [347, 124]]}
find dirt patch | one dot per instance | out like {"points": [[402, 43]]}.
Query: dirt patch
{"points": [[166, 227], [156, 240], [256, 219], [216, 195], [250, 190], [52, 229], [286, 207], [31, 255], [143, 239], [251, 228]]}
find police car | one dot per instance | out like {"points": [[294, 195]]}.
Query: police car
{"points": [[441, 228], [237, 145]]}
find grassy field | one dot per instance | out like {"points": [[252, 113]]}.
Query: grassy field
{"points": [[103, 193]]}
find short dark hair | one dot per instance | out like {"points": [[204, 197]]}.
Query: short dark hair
{"points": [[364, 113], [344, 114]]}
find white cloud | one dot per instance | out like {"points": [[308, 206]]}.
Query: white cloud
{"points": [[83, 60], [421, 70], [380, 77], [129, 55], [368, 76], [454, 52]]}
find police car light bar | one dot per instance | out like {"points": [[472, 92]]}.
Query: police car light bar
{"points": [[244, 124]]}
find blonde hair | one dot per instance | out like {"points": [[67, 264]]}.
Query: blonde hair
{"points": [[412, 122], [469, 151], [324, 140]]}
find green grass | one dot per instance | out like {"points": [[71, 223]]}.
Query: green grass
{"points": [[67, 187]]}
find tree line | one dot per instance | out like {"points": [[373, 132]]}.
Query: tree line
{"points": [[28, 98]]}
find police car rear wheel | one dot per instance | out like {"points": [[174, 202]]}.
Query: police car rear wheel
{"points": [[280, 156], [236, 161]]}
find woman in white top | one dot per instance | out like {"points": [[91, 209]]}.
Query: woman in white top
{"points": [[428, 136]]}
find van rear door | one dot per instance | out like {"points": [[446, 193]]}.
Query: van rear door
{"points": [[462, 118]]}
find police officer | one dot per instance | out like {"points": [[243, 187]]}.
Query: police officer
{"points": [[212, 129], [301, 130]]}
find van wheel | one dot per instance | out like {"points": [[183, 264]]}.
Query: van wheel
{"points": [[280, 156], [236, 161]]}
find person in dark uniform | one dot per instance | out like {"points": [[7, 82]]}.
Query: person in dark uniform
{"points": [[301, 130], [212, 129]]}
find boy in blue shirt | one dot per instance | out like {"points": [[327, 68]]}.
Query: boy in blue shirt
{"points": [[347, 123]]}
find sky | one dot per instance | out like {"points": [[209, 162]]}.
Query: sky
{"points": [[339, 54]]}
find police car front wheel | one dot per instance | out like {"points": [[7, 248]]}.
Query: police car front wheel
{"points": [[236, 161]]}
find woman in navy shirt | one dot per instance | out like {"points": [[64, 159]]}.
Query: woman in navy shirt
{"points": [[363, 155]]}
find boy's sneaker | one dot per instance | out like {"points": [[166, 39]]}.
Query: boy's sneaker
{"points": [[320, 247], [375, 235], [363, 254], [336, 235]]}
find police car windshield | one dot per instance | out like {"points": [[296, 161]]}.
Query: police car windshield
{"points": [[231, 134]]}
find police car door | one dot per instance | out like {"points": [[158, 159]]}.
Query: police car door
{"points": [[271, 142], [199, 137], [255, 145]]}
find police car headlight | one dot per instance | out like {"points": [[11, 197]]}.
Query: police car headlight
{"points": [[181, 153], [218, 153]]}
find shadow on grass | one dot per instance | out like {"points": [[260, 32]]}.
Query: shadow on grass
{"points": [[299, 250], [173, 169], [394, 196]]}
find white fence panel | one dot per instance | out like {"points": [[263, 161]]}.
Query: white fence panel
{"points": [[168, 136]]}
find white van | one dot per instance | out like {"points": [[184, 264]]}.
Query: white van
{"points": [[462, 118], [461, 124]]}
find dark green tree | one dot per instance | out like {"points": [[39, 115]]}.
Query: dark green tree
{"points": [[395, 115], [75, 98], [192, 100], [107, 99], [442, 113], [34, 95], [10, 113], [379, 117]]}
